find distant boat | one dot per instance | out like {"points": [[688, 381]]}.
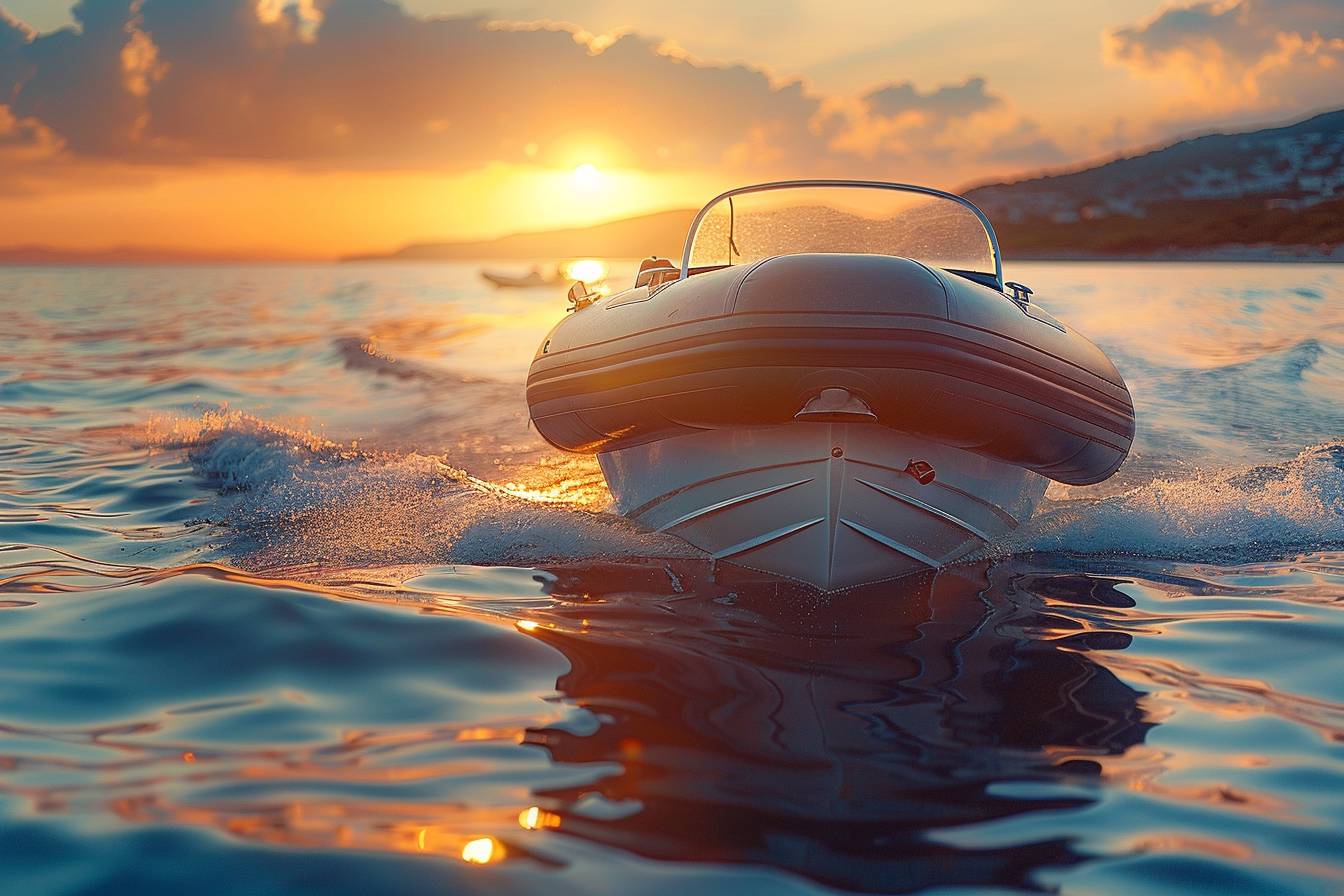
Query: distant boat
{"points": [[532, 279]]}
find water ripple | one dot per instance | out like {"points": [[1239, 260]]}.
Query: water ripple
{"points": [[293, 600]]}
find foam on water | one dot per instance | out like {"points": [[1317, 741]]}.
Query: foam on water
{"points": [[1262, 512], [287, 496]]}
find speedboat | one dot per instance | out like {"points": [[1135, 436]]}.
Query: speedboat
{"points": [[836, 386], [531, 279]]}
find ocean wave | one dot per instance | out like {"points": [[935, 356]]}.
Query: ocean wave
{"points": [[370, 355], [1287, 363]]}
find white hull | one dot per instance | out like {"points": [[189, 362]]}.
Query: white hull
{"points": [[830, 504]]}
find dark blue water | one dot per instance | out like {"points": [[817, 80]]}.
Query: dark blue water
{"points": [[292, 600]]}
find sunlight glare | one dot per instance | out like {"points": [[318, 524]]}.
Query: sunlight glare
{"points": [[587, 177], [589, 270]]}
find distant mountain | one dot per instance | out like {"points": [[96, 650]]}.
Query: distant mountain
{"points": [[660, 233], [43, 255], [1273, 193], [1280, 189]]}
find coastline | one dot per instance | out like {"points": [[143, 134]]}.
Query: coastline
{"points": [[1230, 253], [1259, 252]]}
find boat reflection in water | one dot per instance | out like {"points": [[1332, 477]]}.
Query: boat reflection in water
{"points": [[842, 737]]}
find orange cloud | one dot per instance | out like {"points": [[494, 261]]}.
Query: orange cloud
{"points": [[1239, 54], [958, 125], [361, 84]]}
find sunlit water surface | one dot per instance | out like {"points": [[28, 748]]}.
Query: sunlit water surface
{"points": [[292, 600]]}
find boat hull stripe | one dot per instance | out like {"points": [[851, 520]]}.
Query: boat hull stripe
{"points": [[759, 541], [893, 544], [729, 502], [928, 508]]}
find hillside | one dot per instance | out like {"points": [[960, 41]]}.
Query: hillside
{"points": [[1272, 193], [660, 233], [1274, 188], [130, 255]]}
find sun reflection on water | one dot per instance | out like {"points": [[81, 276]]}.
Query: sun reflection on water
{"points": [[534, 818], [481, 851]]}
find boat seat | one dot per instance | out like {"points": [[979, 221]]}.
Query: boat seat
{"points": [[655, 271]]}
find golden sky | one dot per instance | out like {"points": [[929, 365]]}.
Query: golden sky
{"points": [[322, 127]]}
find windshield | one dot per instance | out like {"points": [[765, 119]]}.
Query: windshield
{"points": [[876, 219]]}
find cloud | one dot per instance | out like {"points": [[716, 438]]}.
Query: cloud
{"points": [[360, 82], [947, 102], [954, 125], [339, 84], [14, 37], [74, 79], [1257, 53], [1022, 145]]}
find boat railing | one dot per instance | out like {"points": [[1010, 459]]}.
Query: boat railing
{"points": [[728, 196]]}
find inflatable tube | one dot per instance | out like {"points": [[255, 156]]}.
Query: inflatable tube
{"points": [[918, 350]]}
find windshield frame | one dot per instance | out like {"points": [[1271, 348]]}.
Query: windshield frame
{"points": [[872, 184]]}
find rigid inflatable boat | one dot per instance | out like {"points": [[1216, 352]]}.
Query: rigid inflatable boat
{"points": [[532, 278], [836, 385]]}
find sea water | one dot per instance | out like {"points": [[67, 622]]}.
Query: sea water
{"points": [[292, 599]]}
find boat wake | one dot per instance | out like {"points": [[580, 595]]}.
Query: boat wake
{"points": [[367, 354], [287, 498], [1273, 398], [1238, 515]]}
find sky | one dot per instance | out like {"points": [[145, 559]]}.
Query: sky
{"points": [[322, 127]]}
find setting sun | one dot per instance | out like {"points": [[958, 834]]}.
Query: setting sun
{"points": [[587, 177], [589, 270], [825, 446]]}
